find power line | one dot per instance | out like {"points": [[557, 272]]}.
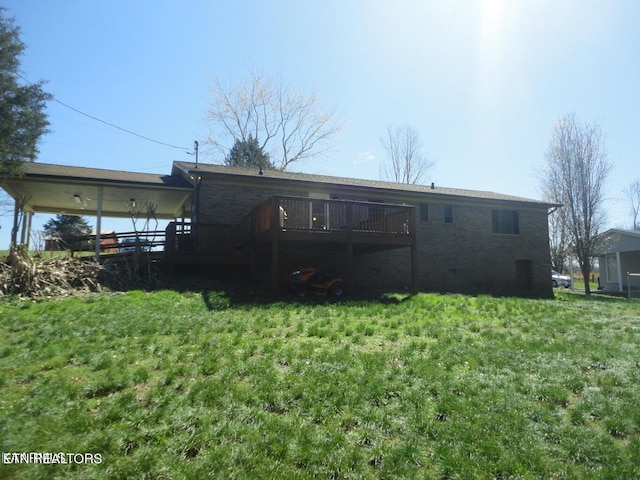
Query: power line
{"points": [[116, 126], [109, 123]]}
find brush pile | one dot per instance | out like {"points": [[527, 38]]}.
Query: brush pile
{"points": [[23, 275], [32, 277]]}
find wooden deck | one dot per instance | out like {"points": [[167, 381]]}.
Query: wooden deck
{"points": [[279, 223], [348, 225], [340, 221], [205, 243]]}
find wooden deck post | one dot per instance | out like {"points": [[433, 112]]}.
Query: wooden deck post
{"points": [[349, 255], [16, 215], [98, 224], [275, 245], [414, 251], [349, 245], [170, 245]]}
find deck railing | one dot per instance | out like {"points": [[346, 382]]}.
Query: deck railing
{"points": [[317, 215], [122, 242], [290, 214], [209, 238], [278, 214]]}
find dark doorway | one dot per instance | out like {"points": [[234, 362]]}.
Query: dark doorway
{"points": [[524, 274]]}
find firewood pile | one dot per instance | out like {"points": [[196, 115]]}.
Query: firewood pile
{"points": [[27, 276]]}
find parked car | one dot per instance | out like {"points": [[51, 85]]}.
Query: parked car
{"points": [[559, 280], [129, 245]]}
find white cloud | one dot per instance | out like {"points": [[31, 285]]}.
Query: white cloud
{"points": [[364, 157]]}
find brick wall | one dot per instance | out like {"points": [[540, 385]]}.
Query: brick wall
{"points": [[462, 256], [225, 203], [465, 256]]}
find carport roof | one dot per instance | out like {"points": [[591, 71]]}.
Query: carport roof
{"points": [[51, 188]]}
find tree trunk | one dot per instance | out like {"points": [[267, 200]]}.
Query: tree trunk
{"points": [[585, 277]]}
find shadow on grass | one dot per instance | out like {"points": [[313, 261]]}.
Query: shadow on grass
{"points": [[223, 288], [232, 289], [232, 294]]}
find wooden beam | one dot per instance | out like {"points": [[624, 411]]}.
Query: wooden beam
{"points": [[275, 245], [98, 222], [414, 250], [349, 255], [14, 230], [26, 229]]}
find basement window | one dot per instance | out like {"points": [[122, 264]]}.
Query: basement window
{"points": [[448, 214], [424, 212], [505, 222]]}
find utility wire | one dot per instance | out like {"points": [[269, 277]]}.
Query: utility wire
{"points": [[109, 123], [116, 126]]}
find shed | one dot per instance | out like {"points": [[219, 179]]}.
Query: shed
{"points": [[618, 253]]}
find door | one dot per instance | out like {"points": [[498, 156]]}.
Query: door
{"points": [[524, 274]]}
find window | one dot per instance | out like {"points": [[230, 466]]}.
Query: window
{"points": [[448, 214], [505, 222], [424, 212]]}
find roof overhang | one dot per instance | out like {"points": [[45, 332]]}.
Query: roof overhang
{"points": [[49, 188], [304, 182], [617, 240]]}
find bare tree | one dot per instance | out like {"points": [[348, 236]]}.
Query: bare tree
{"points": [[38, 241], [288, 124], [405, 163], [632, 192], [577, 166], [559, 244]]}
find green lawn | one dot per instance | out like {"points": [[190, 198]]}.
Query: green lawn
{"points": [[197, 385]]}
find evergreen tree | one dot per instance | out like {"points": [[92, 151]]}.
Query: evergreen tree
{"points": [[22, 117], [66, 228], [248, 153]]}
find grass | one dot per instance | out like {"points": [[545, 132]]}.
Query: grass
{"points": [[195, 385], [52, 255]]}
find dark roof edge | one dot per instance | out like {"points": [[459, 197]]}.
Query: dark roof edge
{"points": [[622, 231], [101, 175], [188, 169]]}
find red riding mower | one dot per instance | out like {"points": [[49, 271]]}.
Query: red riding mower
{"points": [[315, 281]]}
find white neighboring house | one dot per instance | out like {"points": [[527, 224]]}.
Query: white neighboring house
{"points": [[618, 253]]}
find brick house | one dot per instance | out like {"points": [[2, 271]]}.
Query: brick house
{"points": [[381, 236]]}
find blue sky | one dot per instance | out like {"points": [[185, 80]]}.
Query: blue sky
{"points": [[482, 81]]}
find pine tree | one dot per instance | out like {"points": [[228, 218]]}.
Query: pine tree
{"points": [[22, 117], [66, 228], [248, 153]]}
